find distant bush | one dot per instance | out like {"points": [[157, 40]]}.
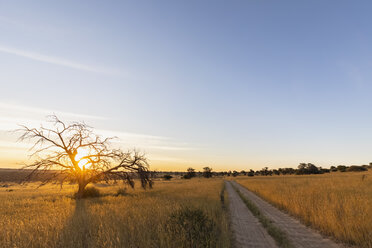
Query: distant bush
{"points": [[207, 172], [190, 173], [356, 168], [186, 176], [265, 172], [322, 171], [121, 192], [287, 171], [90, 192], [167, 177], [308, 168], [341, 168], [194, 227]]}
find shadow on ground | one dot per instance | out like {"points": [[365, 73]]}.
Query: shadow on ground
{"points": [[78, 231]]}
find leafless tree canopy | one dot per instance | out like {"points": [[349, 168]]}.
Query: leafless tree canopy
{"points": [[74, 152]]}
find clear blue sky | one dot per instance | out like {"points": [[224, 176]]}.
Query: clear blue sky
{"points": [[225, 84]]}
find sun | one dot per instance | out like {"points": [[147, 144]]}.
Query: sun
{"points": [[83, 163]]}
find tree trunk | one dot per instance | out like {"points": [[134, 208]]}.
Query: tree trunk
{"points": [[81, 189]]}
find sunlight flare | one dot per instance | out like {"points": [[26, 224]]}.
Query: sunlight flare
{"points": [[82, 162]]}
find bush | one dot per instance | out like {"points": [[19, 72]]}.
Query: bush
{"points": [[194, 228], [341, 168], [186, 176], [307, 169], [356, 168], [190, 174], [121, 192], [167, 177], [250, 174], [90, 192], [207, 172]]}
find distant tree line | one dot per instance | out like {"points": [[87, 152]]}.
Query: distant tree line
{"points": [[302, 169], [207, 173], [16, 175], [190, 173]]}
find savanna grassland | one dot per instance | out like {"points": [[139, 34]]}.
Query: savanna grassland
{"points": [[337, 204], [179, 213]]}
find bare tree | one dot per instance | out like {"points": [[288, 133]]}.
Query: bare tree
{"points": [[74, 152]]}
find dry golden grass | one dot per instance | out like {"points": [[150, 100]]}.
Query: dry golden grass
{"points": [[50, 217], [337, 204]]}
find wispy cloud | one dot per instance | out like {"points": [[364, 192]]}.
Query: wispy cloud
{"points": [[172, 148], [57, 61], [7, 108], [145, 141], [167, 159], [14, 145]]}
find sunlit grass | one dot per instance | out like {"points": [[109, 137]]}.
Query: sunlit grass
{"points": [[50, 217], [337, 204]]}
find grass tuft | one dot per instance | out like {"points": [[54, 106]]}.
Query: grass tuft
{"points": [[196, 228], [121, 192], [90, 192]]}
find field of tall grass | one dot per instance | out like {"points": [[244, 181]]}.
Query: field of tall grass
{"points": [[179, 213], [337, 204]]}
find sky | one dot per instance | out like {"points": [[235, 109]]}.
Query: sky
{"points": [[231, 85]]}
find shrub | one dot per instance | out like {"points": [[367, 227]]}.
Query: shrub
{"points": [[356, 168], [308, 168], [186, 176], [194, 227], [167, 177], [322, 171], [251, 173], [207, 172], [190, 173], [121, 192], [90, 192], [341, 168]]}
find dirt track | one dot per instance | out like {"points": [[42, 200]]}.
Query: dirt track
{"points": [[300, 235], [247, 229]]}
